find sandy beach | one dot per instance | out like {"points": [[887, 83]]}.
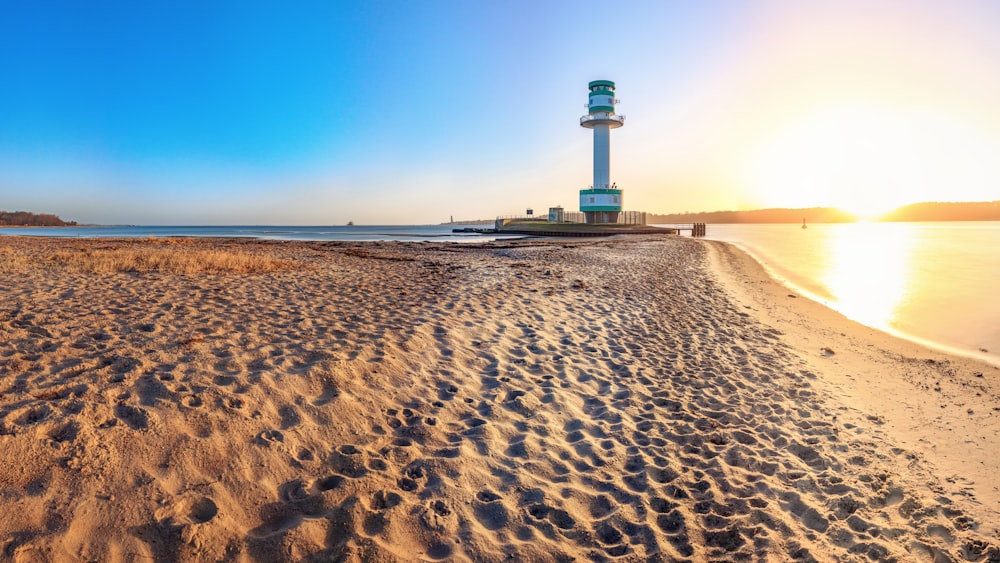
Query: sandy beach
{"points": [[625, 399]]}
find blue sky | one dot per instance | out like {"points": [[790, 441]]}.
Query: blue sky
{"points": [[411, 112]]}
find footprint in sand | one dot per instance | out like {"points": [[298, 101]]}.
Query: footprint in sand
{"points": [[517, 447], [203, 510], [490, 513], [809, 516], [728, 539], [192, 401], [438, 516], [293, 491], [393, 422], [608, 535], [276, 525], [602, 506], [289, 417], [661, 505], [135, 417], [439, 551], [447, 392], [223, 380], [383, 500], [940, 532], [373, 524], [558, 517], [101, 336], [412, 474], [34, 415], [330, 392], [269, 437], [329, 483], [636, 482], [65, 432], [347, 460]]}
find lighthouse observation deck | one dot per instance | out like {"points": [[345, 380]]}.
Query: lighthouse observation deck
{"points": [[611, 120]]}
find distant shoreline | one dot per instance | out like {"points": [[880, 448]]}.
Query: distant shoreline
{"points": [[917, 212]]}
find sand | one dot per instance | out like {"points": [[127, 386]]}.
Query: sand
{"points": [[627, 399]]}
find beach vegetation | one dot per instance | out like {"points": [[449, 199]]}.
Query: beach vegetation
{"points": [[172, 257], [166, 260]]}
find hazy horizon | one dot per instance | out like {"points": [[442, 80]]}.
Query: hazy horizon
{"points": [[940, 211], [239, 113]]}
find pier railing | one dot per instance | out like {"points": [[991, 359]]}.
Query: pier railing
{"points": [[623, 218], [696, 229]]}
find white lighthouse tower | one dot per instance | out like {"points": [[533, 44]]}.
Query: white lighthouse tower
{"points": [[603, 201]]}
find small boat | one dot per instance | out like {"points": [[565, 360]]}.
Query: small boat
{"points": [[804, 223], [351, 224]]}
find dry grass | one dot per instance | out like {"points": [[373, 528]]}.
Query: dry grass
{"points": [[173, 257], [12, 261], [171, 261]]}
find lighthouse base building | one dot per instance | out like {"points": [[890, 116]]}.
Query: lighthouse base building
{"points": [[601, 206]]}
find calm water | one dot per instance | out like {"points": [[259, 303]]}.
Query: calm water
{"points": [[351, 233], [934, 282]]}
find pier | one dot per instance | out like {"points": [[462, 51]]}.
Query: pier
{"points": [[696, 229], [541, 228]]}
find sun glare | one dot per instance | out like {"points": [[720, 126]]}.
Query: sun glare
{"points": [[868, 160], [859, 254]]}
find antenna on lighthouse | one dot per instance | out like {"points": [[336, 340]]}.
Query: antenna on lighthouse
{"points": [[602, 202]]}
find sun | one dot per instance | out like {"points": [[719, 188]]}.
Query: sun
{"points": [[867, 160]]}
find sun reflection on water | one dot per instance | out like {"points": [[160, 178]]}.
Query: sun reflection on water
{"points": [[934, 283], [868, 270]]}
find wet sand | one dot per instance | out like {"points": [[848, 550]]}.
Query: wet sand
{"points": [[626, 399]]}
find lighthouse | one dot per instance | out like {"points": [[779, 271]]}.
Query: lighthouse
{"points": [[602, 202]]}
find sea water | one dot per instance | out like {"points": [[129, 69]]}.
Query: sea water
{"points": [[936, 283], [409, 233]]}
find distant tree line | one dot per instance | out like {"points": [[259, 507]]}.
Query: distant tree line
{"points": [[930, 211], [811, 215], [28, 219], [938, 211]]}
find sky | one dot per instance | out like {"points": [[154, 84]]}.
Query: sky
{"points": [[414, 112]]}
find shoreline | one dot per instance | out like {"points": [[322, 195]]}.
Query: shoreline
{"points": [[935, 401], [615, 399], [951, 349]]}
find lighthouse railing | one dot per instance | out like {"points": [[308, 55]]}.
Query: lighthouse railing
{"points": [[602, 117]]}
